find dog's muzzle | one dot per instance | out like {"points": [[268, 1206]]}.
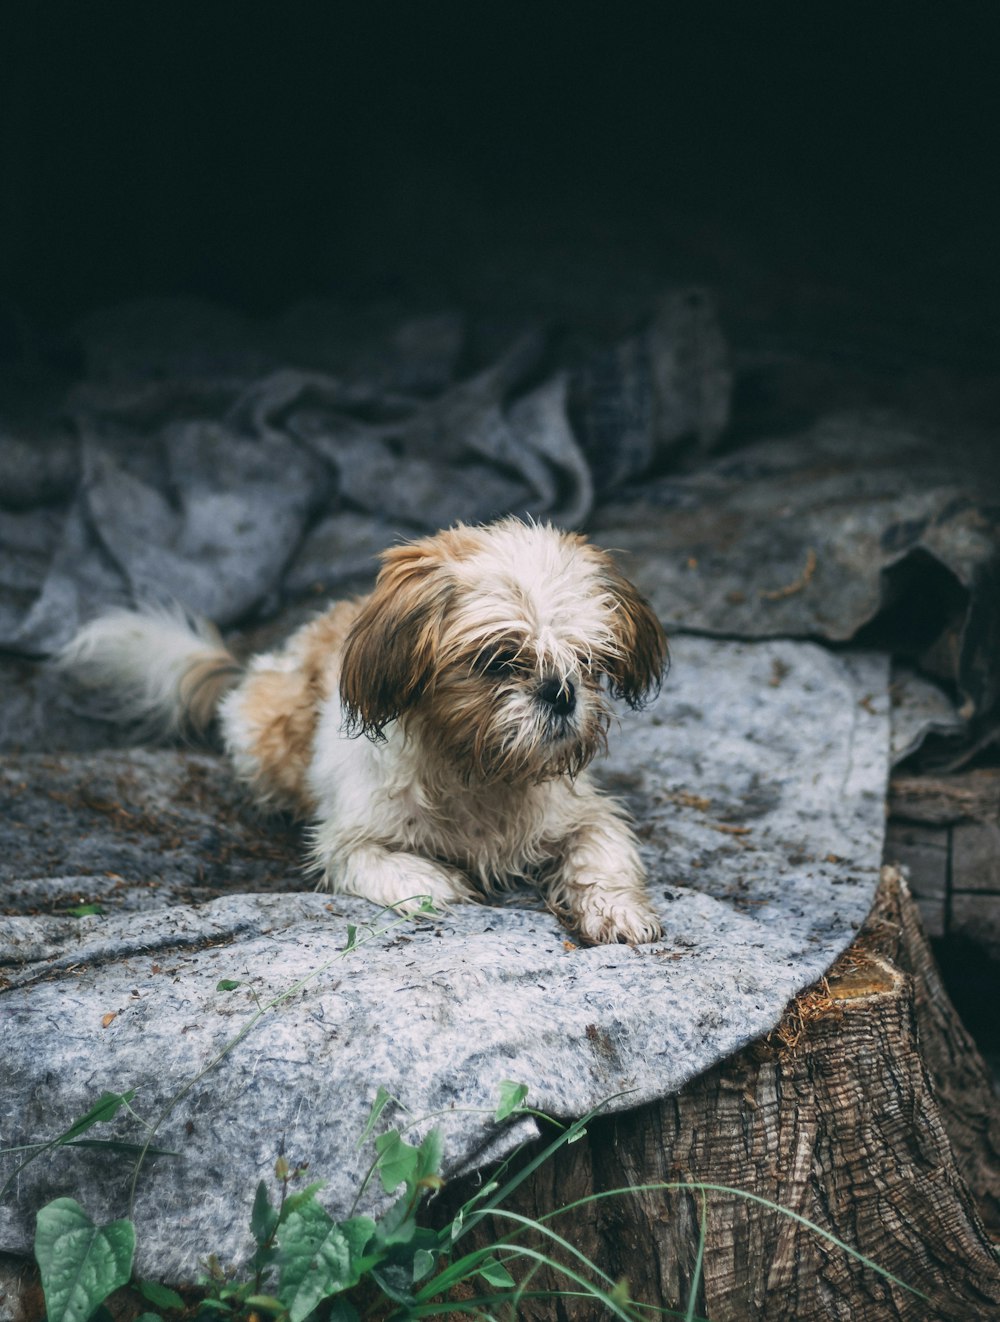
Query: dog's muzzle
{"points": [[558, 696]]}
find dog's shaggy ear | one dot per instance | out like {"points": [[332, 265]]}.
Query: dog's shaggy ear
{"points": [[391, 651], [641, 657]]}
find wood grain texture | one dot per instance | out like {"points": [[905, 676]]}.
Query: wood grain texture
{"points": [[869, 1113], [972, 796]]}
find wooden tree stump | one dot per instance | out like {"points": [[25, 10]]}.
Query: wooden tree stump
{"points": [[868, 1111]]}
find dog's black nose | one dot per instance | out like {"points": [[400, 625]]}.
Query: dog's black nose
{"points": [[559, 694]]}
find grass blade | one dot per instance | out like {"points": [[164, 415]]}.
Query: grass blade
{"points": [[591, 1291], [569, 1135], [698, 1262], [678, 1186]]}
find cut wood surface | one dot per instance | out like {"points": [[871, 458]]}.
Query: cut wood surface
{"points": [[868, 1112]]}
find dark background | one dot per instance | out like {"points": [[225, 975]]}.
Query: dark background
{"points": [[573, 155]]}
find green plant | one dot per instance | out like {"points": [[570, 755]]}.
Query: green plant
{"points": [[80, 1263], [304, 1259], [105, 1108]]}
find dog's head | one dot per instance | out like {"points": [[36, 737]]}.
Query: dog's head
{"points": [[498, 646]]}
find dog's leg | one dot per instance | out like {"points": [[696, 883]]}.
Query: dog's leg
{"points": [[397, 880], [598, 882]]}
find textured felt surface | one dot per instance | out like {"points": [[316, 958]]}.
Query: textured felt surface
{"points": [[757, 782]]}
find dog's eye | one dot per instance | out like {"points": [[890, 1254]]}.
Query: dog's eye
{"points": [[502, 662]]}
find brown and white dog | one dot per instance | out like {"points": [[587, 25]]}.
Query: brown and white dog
{"points": [[479, 669]]}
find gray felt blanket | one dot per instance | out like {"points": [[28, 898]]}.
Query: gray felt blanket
{"points": [[250, 470], [758, 786]]}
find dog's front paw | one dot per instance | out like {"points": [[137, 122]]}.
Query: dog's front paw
{"points": [[419, 881], [608, 920], [401, 881]]}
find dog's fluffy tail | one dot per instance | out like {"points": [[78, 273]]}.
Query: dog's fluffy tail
{"points": [[158, 667]]}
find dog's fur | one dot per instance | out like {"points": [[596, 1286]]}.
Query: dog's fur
{"points": [[479, 670]]}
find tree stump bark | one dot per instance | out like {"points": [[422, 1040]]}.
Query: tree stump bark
{"points": [[868, 1112]]}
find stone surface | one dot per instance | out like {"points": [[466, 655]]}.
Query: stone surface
{"points": [[758, 783]]}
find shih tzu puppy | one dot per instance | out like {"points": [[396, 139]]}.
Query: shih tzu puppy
{"points": [[478, 671]]}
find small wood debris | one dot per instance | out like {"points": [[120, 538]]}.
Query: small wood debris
{"points": [[684, 799], [779, 671], [790, 589], [810, 1005], [854, 976]]}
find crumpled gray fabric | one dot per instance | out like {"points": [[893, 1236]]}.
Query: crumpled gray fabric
{"points": [[218, 461], [635, 400], [236, 518], [757, 782], [816, 535], [920, 708]]}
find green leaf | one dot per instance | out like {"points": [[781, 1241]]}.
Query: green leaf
{"points": [[496, 1274], [84, 910], [423, 1263], [511, 1096], [398, 1225], [160, 1295], [80, 1263], [382, 1100], [297, 1200], [227, 984], [429, 1158], [106, 1107], [265, 1301], [263, 1217], [394, 1282], [352, 937], [317, 1258], [358, 1232], [397, 1160]]}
